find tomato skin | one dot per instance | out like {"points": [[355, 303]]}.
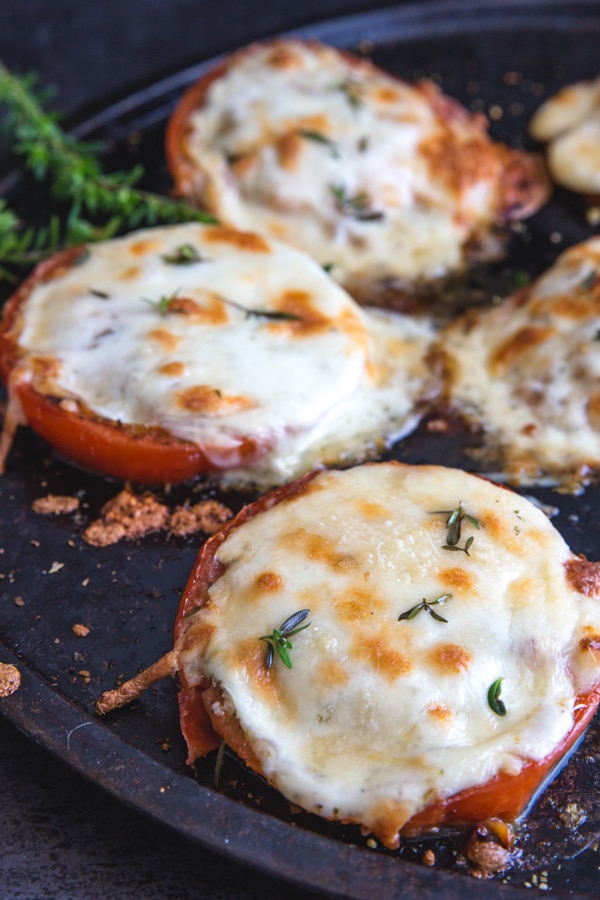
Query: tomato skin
{"points": [[131, 452], [504, 797]]}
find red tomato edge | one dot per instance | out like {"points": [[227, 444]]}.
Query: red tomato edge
{"points": [[505, 796]]}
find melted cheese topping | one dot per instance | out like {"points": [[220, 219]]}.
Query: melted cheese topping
{"points": [[379, 717], [374, 176], [190, 348], [528, 372], [570, 123]]}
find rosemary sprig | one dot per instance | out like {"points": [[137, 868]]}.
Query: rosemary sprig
{"points": [[162, 304], [426, 604], [279, 638], [357, 207], [351, 90], [99, 205], [495, 703]]}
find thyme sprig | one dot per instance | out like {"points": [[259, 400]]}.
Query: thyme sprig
{"points": [[99, 205], [428, 605], [318, 138], [260, 312], [357, 206], [454, 524], [279, 639]]}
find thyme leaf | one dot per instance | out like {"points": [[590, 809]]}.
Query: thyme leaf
{"points": [[495, 703], [318, 138], [279, 638], [162, 304], [351, 90], [454, 523], [259, 312], [184, 255], [427, 605], [357, 207]]}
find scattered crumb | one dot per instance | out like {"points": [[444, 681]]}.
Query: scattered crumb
{"points": [[372, 844], [429, 858], [19, 601], [485, 855], [206, 516], [10, 679], [55, 505], [593, 215], [80, 630], [129, 517], [55, 567], [85, 674]]}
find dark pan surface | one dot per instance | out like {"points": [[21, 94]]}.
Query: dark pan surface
{"points": [[127, 594]]}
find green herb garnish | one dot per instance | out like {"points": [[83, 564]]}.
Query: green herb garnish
{"points": [[588, 282], [184, 255], [162, 304], [351, 90], [99, 205], [426, 604], [279, 639], [259, 312], [319, 138], [454, 523], [496, 704], [357, 207]]}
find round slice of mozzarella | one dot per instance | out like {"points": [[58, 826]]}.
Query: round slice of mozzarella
{"points": [[219, 337]]}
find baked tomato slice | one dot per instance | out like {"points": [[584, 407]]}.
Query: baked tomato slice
{"points": [[505, 796]]}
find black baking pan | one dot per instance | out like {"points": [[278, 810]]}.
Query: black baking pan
{"points": [[501, 59]]}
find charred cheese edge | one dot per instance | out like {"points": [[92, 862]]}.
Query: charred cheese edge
{"points": [[376, 177], [379, 716], [569, 122], [528, 373], [242, 338]]}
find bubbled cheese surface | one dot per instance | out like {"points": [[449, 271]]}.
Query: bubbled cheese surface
{"points": [[379, 717], [249, 339], [374, 176], [528, 372]]}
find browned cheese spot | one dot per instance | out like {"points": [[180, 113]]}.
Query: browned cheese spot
{"points": [[583, 576], [209, 401], [212, 310], [130, 273], [174, 369], [288, 147], [371, 509], [357, 604], [318, 548], [269, 581], [144, 246], [164, 337], [332, 673], [458, 164], [386, 94], [241, 240], [449, 659], [382, 657], [283, 56], [439, 712], [593, 411], [525, 339], [457, 578]]}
